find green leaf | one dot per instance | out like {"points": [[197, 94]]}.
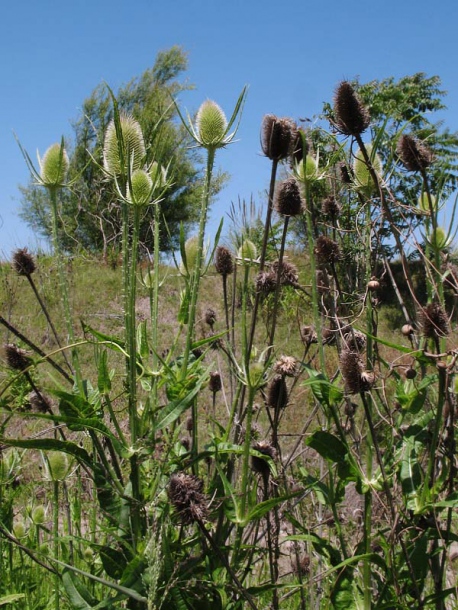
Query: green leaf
{"points": [[51, 444], [113, 561], [78, 595], [142, 341], [325, 392], [104, 378], [328, 446], [264, 507], [110, 341], [9, 599]]}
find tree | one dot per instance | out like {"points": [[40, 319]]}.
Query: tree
{"points": [[90, 213]]}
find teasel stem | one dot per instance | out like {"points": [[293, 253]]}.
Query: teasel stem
{"points": [[64, 287], [262, 259], [48, 317], [277, 289], [315, 295], [195, 279], [56, 542]]}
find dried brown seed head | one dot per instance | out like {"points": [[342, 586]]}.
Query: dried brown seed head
{"points": [[351, 117], [40, 402], [277, 393], [185, 492], [23, 262], [286, 365], [327, 250], [214, 382], [265, 282], [308, 335], [288, 274], [16, 357], [414, 155], [210, 317], [351, 367], [259, 464], [224, 261], [434, 321], [288, 199], [355, 341], [331, 207], [277, 134]]}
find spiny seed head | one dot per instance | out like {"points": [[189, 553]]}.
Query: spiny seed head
{"points": [[301, 565], [356, 379], [139, 192], [351, 117], [438, 238], [133, 146], [258, 463], [328, 336], [224, 261], [288, 274], [16, 357], [286, 365], [345, 173], [327, 250], [54, 166], [330, 207], [413, 154], [214, 382], [277, 393], [288, 200], [276, 136], [23, 262], [308, 335], [185, 492], [210, 316], [58, 466], [211, 125], [423, 202], [355, 341], [265, 282], [248, 251], [434, 321], [307, 171]]}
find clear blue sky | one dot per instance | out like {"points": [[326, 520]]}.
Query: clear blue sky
{"points": [[291, 54]]}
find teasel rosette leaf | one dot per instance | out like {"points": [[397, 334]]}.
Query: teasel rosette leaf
{"points": [[211, 129], [124, 148], [351, 118]]}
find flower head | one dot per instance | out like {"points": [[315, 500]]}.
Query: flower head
{"points": [[413, 154], [277, 136], [23, 262], [288, 199], [351, 117], [186, 494], [120, 156], [54, 166]]}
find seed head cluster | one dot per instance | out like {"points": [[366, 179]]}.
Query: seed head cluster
{"points": [[277, 393], [16, 357], [288, 274], [186, 494], [286, 365]]}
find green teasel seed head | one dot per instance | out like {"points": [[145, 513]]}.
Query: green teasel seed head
{"points": [[38, 514], [362, 175], [307, 170], [423, 203], [158, 176], [58, 466], [438, 239], [19, 529], [191, 247], [139, 191], [211, 124], [248, 251], [133, 147], [54, 166]]}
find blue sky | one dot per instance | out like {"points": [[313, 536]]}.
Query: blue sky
{"points": [[292, 55]]}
